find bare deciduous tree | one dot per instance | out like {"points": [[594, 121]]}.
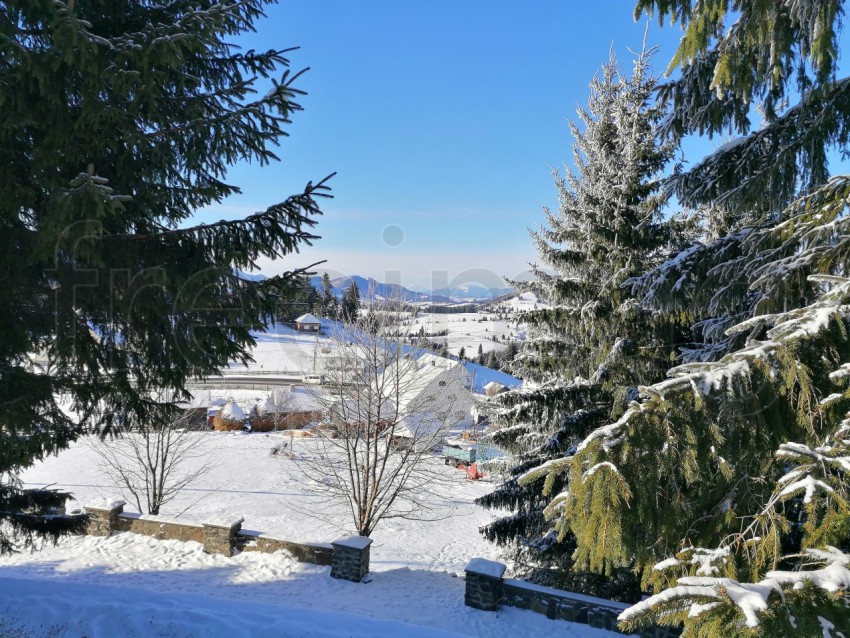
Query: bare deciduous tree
{"points": [[154, 462], [388, 407]]}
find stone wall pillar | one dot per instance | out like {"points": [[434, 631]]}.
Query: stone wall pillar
{"points": [[351, 558], [103, 517], [484, 584], [220, 536]]}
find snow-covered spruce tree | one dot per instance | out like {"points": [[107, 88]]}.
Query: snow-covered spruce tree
{"points": [[750, 453], [118, 120], [592, 344], [329, 303], [350, 302], [725, 486]]}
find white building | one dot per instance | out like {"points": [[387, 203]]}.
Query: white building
{"points": [[433, 396]]}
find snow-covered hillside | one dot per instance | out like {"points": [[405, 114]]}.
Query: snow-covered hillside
{"points": [[492, 328], [472, 292]]}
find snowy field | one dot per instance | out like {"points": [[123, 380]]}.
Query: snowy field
{"points": [[467, 330], [282, 349], [269, 492], [130, 585], [472, 330]]}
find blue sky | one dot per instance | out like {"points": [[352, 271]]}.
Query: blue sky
{"points": [[441, 118]]}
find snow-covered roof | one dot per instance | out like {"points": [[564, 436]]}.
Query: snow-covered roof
{"points": [[278, 400], [294, 399], [416, 377], [429, 425], [494, 385], [482, 375], [307, 318]]}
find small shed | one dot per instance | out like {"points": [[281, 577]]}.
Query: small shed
{"points": [[287, 409], [308, 323], [493, 388]]}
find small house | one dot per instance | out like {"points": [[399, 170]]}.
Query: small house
{"points": [[308, 323]]}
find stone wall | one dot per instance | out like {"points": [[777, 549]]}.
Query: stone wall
{"points": [[561, 605], [487, 589], [218, 537], [315, 553], [484, 584], [103, 517], [158, 527]]}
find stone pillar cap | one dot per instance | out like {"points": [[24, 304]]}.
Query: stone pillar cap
{"points": [[486, 567], [354, 542], [106, 504], [227, 523]]}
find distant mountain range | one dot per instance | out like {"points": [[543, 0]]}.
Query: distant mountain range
{"points": [[372, 289]]}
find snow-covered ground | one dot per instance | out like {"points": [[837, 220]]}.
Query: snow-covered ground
{"points": [[130, 585], [283, 349], [269, 492]]}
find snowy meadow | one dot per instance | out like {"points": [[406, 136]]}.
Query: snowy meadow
{"points": [[173, 588]]}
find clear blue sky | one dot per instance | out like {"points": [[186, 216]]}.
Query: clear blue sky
{"points": [[441, 118]]}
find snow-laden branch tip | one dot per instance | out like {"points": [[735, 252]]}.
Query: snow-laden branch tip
{"points": [[807, 484], [705, 592]]}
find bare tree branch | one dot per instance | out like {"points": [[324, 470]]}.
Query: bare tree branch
{"points": [[154, 462], [389, 407]]}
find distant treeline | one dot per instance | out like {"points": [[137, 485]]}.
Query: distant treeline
{"points": [[450, 310]]}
